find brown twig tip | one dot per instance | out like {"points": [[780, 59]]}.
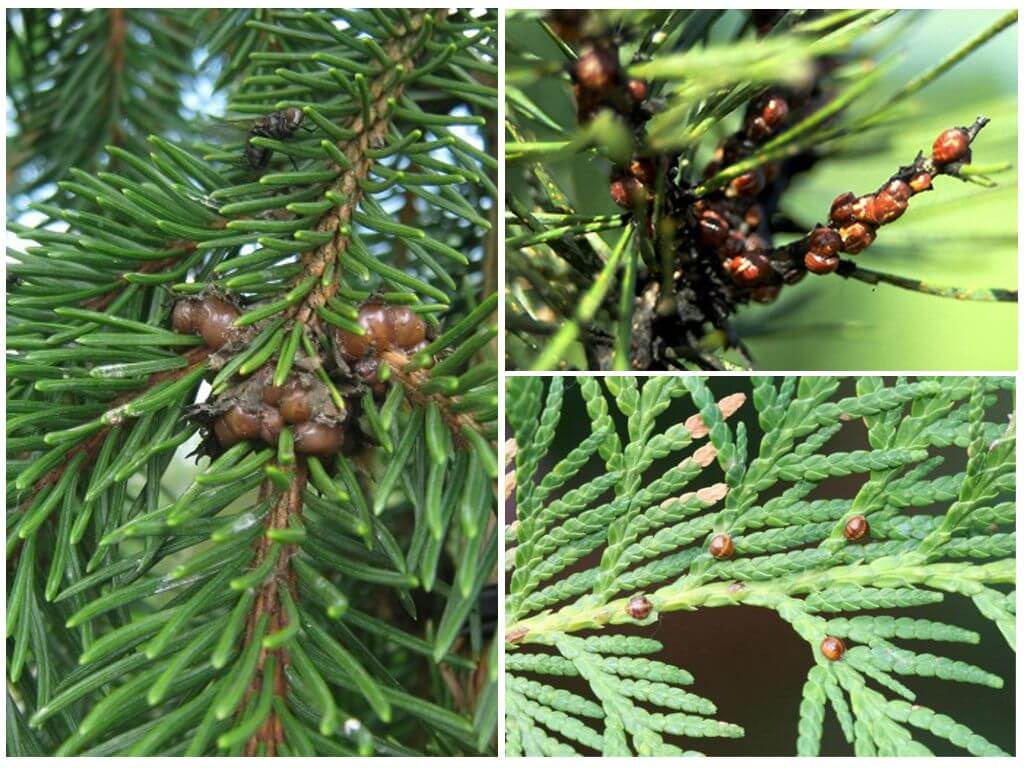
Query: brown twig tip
{"points": [[704, 455], [516, 635], [510, 485], [727, 405], [713, 493]]}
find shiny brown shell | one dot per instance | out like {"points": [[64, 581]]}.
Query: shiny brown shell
{"points": [[224, 434], [627, 192], [373, 319], [889, 207], [597, 69], [832, 648], [272, 394], [183, 316], [244, 424], [638, 90], [713, 229], [774, 111], [215, 321], [295, 406], [856, 237], [316, 439], [856, 528], [921, 182], [721, 546], [407, 328], [824, 241], [639, 607], [951, 145], [748, 269], [271, 424], [899, 189], [748, 184], [842, 208], [818, 264], [643, 170]]}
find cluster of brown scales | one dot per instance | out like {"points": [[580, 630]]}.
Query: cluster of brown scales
{"points": [[255, 409]]}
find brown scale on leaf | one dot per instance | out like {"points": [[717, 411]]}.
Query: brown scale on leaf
{"points": [[211, 317], [255, 409], [639, 607], [387, 328]]}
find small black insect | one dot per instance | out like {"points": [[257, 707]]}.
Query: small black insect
{"points": [[277, 125]]}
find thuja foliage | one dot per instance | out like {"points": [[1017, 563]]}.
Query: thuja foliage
{"points": [[703, 123], [836, 570], [251, 385]]}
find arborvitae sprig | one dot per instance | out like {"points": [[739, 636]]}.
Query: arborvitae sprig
{"points": [[705, 121], [669, 541], [322, 585]]}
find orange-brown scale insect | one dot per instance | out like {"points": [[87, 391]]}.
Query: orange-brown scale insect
{"points": [[313, 438], [639, 607], [721, 546], [832, 648], [951, 145], [856, 528]]}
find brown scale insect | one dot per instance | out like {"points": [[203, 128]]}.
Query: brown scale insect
{"points": [[842, 209], [749, 184], [920, 182], [765, 116], [856, 237], [387, 327], [256, 409], [628, 192], [822, 247], [638, 91], [317, 439], [597, 70], [721, 546], [276, 125], [856, 528], [237, 424], [832, 648], [749, 269], [642, 169], [713, 228], [295, 407], [271, 424], [639, 607], [951, 145], [212, 318]]}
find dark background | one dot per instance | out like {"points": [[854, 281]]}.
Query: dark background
{"points": [[751, 663]]}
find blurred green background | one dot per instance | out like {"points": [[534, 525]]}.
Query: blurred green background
{"points": [[959, 234]]}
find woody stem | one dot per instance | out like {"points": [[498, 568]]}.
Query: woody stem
{"points": [[268, 602]]}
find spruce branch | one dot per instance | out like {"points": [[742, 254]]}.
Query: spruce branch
{"points": [[272, 601], [368, 130]]}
